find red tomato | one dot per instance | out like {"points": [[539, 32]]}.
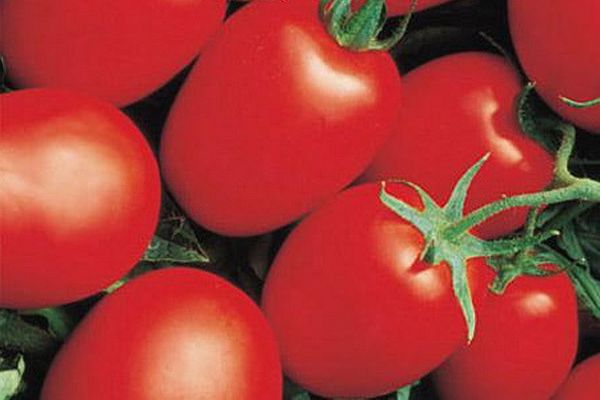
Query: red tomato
{"points": [[354, 310], [79, 196], [524, 346], [458, 108], [274, 118], [394, 7], [175, 333], [119, 50], [583, 382], [563, 62]]}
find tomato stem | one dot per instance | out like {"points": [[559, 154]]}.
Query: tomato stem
{"points": [[359, 31], [580, 104], [567, 188]]}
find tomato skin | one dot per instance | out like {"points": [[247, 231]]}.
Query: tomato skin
{"points": [[524, 347], [355, 313], [176, 333], [562, 63], [458, 108], [79, 196], [583, 383], [119, 50], [309, 115]]}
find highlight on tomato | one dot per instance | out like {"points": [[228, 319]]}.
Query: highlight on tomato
{"points": [[525, 344], [175, 333], [79, 196], [455, 109], [278, 115]]}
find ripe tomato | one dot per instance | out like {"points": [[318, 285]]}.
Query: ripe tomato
{"points": [[79, 196], [274, 118], [354, 310], [458, 108], [119, 50], [175, 333], [583, 382], [524, 347], [561, 61]]}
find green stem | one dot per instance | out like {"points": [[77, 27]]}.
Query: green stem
{"points": [[588, 285], [562, 175], [582, 189], [580, 104], [566, 186]]}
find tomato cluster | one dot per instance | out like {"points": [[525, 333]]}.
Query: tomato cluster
{"points": [[321, 218]]}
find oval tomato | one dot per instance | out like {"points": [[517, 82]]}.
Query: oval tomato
{"points": [[458, 108], [583, 382], [524, 347], [175, 333], [119, 50], [79, 196], [274, 118], [561, 61], [354, 310]]}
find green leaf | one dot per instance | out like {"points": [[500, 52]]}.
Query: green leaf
{"points": [[11, 376], [60, 323], [362, 27], [462, 292], [164, 251], [455, 205], [175, 228], [587, 288], [18, 335]]}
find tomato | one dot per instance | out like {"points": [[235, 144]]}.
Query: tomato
{"points": [[79, 196], [119, 50], [176, 333], [583, 382], [355, 311], [394, 7], [458, 108], [525, 344], [561, 62], [273, 119]]}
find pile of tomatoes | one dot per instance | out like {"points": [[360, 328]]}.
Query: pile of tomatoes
{"points": [[191, 199]]}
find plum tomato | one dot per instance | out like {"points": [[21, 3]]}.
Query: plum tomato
{"points": [[174, 333], [274, 118], [524, 347], [456, 109], [79, 196], [354, 309], [583, 383], [562, 62], [119, 50]]}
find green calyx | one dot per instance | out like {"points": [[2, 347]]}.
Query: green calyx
{"points": [[444, 243], [447, 230], [580, 104], [359, 30]]}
